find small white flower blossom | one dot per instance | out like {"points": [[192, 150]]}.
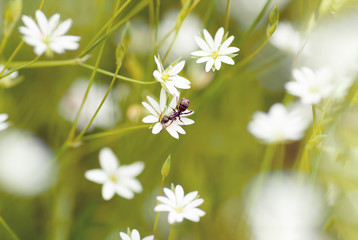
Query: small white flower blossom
{"points": [[214, 51], [10, 79], [134, 235], [169, 78], [115, 178], [311, 86], [278, 125], [3, 121], [180, 206], [286, 38], [159, 110], [48, 35]]}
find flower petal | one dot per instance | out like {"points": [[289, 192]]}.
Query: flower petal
{"points": [[154, 104], [209, 65], [157, 128], [96, 175], [218, 37], [108, 160], [177, 68], [108, 190], [202, 44], [208, 39]]}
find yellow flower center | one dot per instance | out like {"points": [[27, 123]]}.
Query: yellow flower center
{"points": [[179, 209], [165, 76], [215, 54], [113, 178]]}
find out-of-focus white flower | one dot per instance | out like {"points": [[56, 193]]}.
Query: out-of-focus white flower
{"points": [[214, 51], [278, 125], [116, 179], [183, 44], [180, 206], [27, 164], [3, 121], [169, 78], [107, 117], [286, 38], [8, 80], [311, 86], [159, 110], [134, 235], [48, 36], [285, 206]]}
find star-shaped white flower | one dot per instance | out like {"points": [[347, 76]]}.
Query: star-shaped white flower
{"points": [[311, 87], [116, 179], [159, 110], [180, 206], [9, 80], [214, 51], [48, 35], [169, 78], [134, 235], [3, 121], [279, 124]]}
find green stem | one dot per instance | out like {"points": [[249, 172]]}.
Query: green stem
{"points": [[74, 62], [256, 51], [19, 67], [170, 47], [42, 4], [8, 229], [227, 15], [267, 161], [117, 76], [171, 234], [111, 133], [12, 57], [74, 125], [109, 22], [100, 105], [256, 21], [157, 13], [3, 42], [157, 216]]}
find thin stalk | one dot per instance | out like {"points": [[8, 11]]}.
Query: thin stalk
{"points": [[12, 56], [256, 21], [3, 42], [74, 125], [267, 161], [171, 234], [99, 70], [100, 105], [157, 216], [41, 4], [170, 47], [105, 26], [257, 50], [227, 15], [8, 229], [157, 13], [19, 67], [111, 133]]}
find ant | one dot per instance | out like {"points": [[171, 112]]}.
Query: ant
{"points": [[180, 109]]}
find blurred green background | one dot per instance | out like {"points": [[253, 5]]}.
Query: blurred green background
{"points": [[217, 156]]}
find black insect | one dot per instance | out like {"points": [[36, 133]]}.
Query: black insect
{"points": [[180, 109]]}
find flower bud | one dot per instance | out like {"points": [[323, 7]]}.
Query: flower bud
{"points": [[166, 167]]}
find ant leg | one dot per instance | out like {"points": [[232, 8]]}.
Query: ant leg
{"points": [[186, 112]]}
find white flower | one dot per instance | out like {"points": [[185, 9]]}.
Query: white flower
{"points": [[158, 111], [214, 51], [9, 80], [134, 235], [169, 78], [311, 86], [48, 35], [110, 112], [28, 167], [180, 206], [3, 119], [278, 125], [115, 178], [285, 207], [286, 38]]}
